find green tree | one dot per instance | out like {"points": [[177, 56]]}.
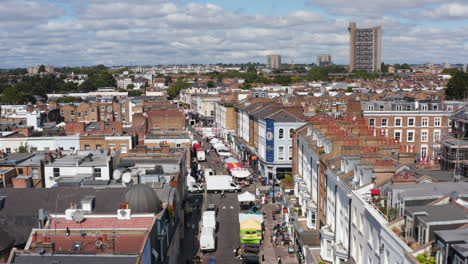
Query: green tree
{"points": [[135, 93], [176, 87], [283, 80], [457, 86], [210, 84], [41, 69], [130, 86], [11, 95]]}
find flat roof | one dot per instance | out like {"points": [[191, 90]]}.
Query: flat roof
{"points": [[439, 213]]}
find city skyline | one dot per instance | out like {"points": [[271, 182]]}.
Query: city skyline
{"points": [[67, 33]]}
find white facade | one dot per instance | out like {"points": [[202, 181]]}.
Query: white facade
{"points": [[13, 111], [40, 143], [78, 166]]}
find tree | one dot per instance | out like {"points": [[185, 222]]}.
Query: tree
{"points": [[176, 87], [426, 259], [130, 86], [11, 95], [457, 86], [41, 69], [283, 80], [210, 84]]}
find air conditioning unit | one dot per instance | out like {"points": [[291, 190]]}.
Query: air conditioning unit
{"points": [[124, 214]]}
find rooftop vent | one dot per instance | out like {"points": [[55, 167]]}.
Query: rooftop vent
{"points": [[77, 245]]}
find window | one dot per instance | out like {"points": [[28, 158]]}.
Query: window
{"points": [[291, 132], [398, 121], [410, 121], [313, 218], [410, 136], [56, 172], [437, 122], [280, 153], [20, 171], [97, 172], [425, 121], [86, 113], [281, 133], [424, 136], [123, 148], [397, 135], [372, 122], [98, 147], [328, 248], [178, 145], [424, 107], [370, 107], [290, 153], [424, 151], [111, 146], [87, 147], [123, 109], [61, 113], [399, 107], [384, 122], [436, 135], [381, 108], [35, 173], [8, 150], [92, 110], [79, 114]]}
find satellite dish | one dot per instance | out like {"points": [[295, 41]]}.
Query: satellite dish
{"points": [[127, 177], [77, 216], [117, 174], [109, 108], [123, 212]]}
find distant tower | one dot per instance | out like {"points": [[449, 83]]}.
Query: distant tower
{"points": [[324, 60], [274, 62], [365, 48]]}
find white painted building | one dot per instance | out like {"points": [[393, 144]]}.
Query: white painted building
{"points": [[11, 144], [79, 165]]}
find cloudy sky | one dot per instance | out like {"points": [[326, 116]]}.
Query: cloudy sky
{"points": [[137, 32]]}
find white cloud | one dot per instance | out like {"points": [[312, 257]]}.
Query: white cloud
{"points": [[447, 11], [153, 32]]}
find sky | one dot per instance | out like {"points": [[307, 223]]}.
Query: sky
{"points": [[150, 32]]}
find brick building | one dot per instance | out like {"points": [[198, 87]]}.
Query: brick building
{"points": [[419, 124]]}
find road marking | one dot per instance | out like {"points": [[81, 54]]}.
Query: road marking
{"points": [[231, 207], [224, 207]]}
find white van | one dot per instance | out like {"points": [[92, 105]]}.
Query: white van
{"points": [[209, 219], [207, 239], [208, 172]]}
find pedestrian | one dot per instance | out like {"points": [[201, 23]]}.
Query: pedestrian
{"points": [[279, 260]]}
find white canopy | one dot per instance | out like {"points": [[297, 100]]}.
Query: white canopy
{"points": [[246, 197], [219, 145], [214, 140], [240, 173], [231, 160], [243, 217]]}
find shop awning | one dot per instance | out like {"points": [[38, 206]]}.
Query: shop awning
{"points": [[375, 192], [250, 224], [233, 165], [246, 197]]}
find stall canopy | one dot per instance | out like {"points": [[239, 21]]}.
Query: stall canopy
{"points": [[231, 160], [234, 165], [219, 145], [214, 141], [246, 197], [250, 224], [240, 173]]}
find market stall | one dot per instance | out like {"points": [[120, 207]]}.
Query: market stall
{"points": [[251, 231]]}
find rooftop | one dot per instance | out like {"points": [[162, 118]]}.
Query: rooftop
{"points": [[439, 213]]}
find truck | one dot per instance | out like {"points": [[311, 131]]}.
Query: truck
{"points": [[199, 152], [207, 239], [218, 183]]}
